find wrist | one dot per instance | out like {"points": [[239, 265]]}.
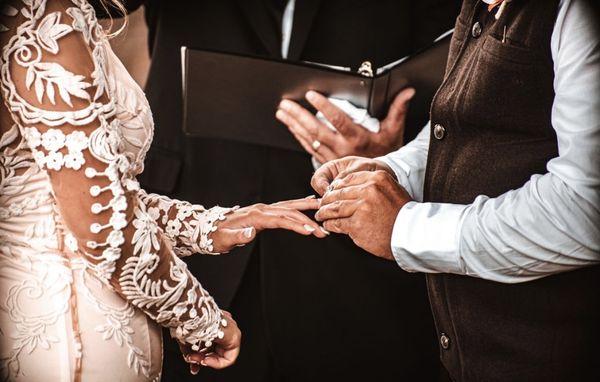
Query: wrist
{"points": [[204, 227]]}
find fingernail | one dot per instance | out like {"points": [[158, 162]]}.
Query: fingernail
{"points": [[279, 114], [285, 104], [309, 228], [310, 197], [248, 232], [203, 363], [311, 95], [325, 231]]}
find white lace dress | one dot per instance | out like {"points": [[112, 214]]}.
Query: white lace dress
{"points": [[89, 263]]}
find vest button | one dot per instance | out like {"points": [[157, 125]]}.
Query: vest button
{"points": [[476, 30], [444, 341], [439, 132]]}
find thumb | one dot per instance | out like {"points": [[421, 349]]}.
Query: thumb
{"points": [[399, 107]]}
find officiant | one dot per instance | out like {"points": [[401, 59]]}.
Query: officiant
{"points": [[309, 310]]}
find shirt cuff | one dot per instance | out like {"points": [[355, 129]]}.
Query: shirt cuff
{"points": [[401, 172], [426, 237]]}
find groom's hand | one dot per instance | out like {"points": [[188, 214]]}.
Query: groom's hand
{"points": [[341, 168], [364, 205]]}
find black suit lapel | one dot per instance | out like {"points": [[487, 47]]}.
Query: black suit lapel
{"points": [[258, 18], [304, 15]]}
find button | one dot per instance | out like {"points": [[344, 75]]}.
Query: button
{"points": [[439, 132], [476, 31], [444, 341]]}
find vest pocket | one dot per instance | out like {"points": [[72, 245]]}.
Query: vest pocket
{"points": [[509, 51]]}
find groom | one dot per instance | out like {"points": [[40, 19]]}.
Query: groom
{"points": [[498, 198], [309, 310]]}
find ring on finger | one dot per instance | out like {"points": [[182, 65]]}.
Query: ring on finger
{"points": [[316, 144]]}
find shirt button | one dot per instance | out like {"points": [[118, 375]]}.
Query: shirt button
{"points": [[476, 31], [439, 132], [444, 341]]}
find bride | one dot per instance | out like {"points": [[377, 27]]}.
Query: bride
{"points": [[90, 264]]}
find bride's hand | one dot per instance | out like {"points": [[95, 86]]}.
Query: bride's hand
{"points": [[222, 354], [242, 225]]}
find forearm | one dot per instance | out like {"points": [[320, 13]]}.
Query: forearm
{"points": [[541, 229], [187, 226]]}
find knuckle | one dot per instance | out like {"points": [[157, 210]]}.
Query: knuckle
{"points": [[336, 119]]}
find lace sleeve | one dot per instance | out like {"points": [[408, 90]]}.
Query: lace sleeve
{"points": [[54, 83], [188, 226]]}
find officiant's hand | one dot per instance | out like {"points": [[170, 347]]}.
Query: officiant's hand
{"points": [[364, 205], [325, 144], [242, 225]]}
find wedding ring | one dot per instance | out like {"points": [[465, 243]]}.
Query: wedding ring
{"points": [[315, 145]]}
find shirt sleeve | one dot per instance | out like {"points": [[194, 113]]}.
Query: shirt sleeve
{"points": [[54, 83], [552, 223], [409, 163]]}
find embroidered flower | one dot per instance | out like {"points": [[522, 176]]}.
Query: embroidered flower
{"points": [[118, 220], [115, 239], [77, 141], [74, 160], [119, 203], [39, 157], [111, 254], [53, 140], [32, 136], [54, 161], [173, 228], [185, 211], [180, 309]]}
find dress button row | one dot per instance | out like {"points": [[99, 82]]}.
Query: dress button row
{"points": [[439, 131]]}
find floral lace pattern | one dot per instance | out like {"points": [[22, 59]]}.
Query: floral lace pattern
{"points": [[80, 129]]}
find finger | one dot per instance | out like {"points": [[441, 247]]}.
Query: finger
{"points": [[338, 225], [277, 221], [359, 178], [308, 123], [358, 166], [235, 237], [217, 362], [324, 176], [305, 204], [337, 210], [337, 117], [303, 137], [344, 193], [308, 225], [399, 107]]}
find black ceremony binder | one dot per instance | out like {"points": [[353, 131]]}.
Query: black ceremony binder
{"points": [[235, 97]]}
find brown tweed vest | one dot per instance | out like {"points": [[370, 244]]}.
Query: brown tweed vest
{"points": [[491, 131]]}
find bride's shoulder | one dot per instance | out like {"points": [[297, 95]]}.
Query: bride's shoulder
{"points": [[49, 17]]}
